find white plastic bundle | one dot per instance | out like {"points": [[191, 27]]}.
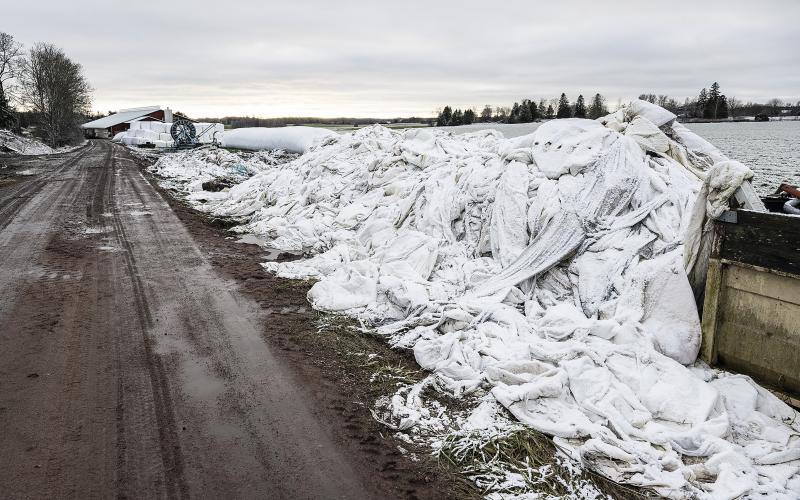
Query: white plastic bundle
{"points": [[547, 269], [290, 139]]}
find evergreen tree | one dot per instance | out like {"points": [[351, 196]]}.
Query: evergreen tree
{"points": [[722, 108], [580, 107], [713, 92], [535, 113], [445, 117], [550, 113], [712, 105], [598, 107], [469, 117], [513, 117], [525, 115], [564, 109], [702, 100], [458, 118]]}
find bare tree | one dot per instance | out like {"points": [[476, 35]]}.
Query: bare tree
{"points": [[776, 104], [486, 114], [11, 58], [734, 105], [55, 89]]}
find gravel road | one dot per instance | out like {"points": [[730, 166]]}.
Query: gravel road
{"points": [[130, 367]]}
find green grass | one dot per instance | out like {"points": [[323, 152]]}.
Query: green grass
{"points": [[367, 354]]}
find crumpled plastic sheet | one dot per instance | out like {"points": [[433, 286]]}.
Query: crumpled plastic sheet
{"points": [[188, 170], [550, 269]]}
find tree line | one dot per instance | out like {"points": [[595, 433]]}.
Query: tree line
{"points": [[525, 111], [253, 121], [712, 104], [51, 89]]}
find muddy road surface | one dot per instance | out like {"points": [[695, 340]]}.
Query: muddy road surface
{"points": [[130, 367]]}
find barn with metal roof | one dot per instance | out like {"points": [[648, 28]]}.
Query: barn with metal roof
{"points": [[109, 126]]}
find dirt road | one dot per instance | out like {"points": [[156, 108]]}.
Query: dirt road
{"points": [[130, 368]]}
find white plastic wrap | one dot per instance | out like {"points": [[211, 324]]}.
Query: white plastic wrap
{"points": [[547, 270]]}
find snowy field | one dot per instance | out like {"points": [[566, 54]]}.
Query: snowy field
{"points": [[771, 149], [542, 279]]}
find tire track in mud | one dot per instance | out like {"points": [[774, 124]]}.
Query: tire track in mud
{"points": [[221, 362], [171, 456], [12, 204]]}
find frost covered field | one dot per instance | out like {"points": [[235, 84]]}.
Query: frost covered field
{"points": [[542, 279]]}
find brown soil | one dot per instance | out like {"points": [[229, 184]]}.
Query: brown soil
{"points": [[144, 355], [322, 357]]}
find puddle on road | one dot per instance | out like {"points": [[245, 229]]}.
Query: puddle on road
{"points": [[286, 310], [270, 254], [138, 213]]}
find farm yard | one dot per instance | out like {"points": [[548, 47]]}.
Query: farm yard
{"points": [[419, 250]]}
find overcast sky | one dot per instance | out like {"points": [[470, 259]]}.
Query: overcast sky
{"points": [[407, 57]]}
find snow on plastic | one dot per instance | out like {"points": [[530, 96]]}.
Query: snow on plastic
{"points": [[289, 139], [188, 170], [28, 146], [549, 270]]}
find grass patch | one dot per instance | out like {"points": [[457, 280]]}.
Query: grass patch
{"points": [[524, 460], [380, 370], [367, 355]]}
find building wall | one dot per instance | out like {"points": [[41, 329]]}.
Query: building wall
{"points": [[121, 127], [95, 133], [100, 133]]}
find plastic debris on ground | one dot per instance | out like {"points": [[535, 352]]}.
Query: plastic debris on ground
{"points": [[28, 146], [547, 272], [206, 172]]}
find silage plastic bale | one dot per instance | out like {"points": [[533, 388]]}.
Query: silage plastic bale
{"points": [[289, 139]]}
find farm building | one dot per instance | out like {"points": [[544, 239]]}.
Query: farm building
{"points": [[109, 126]]}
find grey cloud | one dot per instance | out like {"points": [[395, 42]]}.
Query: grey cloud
{"points": [[388, 59]]}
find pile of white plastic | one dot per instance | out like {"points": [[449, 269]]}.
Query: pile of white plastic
{"points": [[188, 170], [549, 269], [289, 139], [157, 134], [23, 145]]}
